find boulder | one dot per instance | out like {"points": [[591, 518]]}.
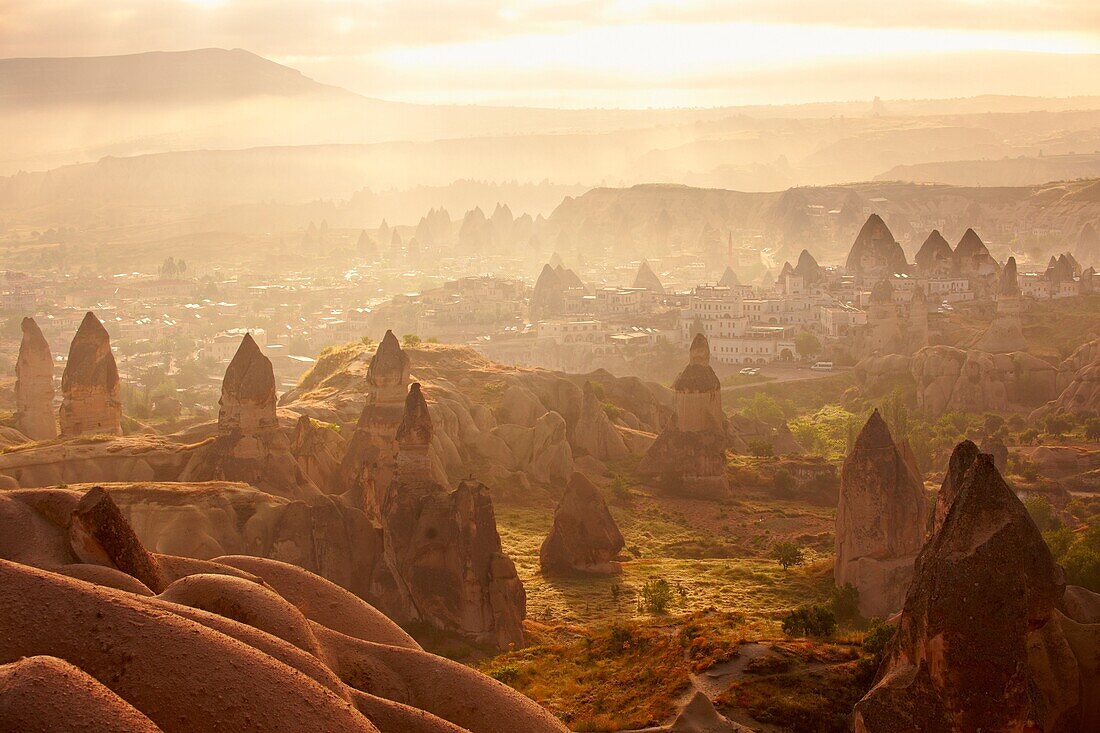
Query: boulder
{"points": [[880, 520], [90, 395], [584, 537]]}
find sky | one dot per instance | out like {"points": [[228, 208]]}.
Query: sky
{"points": [[606, 53]]}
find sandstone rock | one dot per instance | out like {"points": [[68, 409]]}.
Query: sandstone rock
{"points": [[647, 279], [34, 387], [247, 403], [584, 537], [1082, 395], [1088, 246], [250, 445], [880, 521], [42, 694], [984, 585], [916, 329], [808, 269], [366, 469], [551, 458], [90, 397], [1005, 334], [318, 450], [950, 379], [594, 434], [883, 331], [961, 459], [875, 253], [444, 546], [698, 391], [935, 258], [690, 455], [100, 535], [729, 278]]}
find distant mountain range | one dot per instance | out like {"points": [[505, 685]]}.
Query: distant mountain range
{"points": [[192, 127]]}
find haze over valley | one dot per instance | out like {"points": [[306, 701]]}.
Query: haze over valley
{"points": [[479, 367]]}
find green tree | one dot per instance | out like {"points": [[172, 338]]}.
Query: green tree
{"points": [[1042, 513], [410, 341], [788, 554]]}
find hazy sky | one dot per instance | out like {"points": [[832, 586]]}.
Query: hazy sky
{"points": [[634, 53]]}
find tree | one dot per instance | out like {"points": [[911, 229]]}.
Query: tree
{"points": [[410, 341], [1042, 513], [787, 554], [806, 344]]}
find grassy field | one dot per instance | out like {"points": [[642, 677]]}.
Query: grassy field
{"points": [[601, 661]]}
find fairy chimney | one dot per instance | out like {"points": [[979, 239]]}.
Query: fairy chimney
{"points": [[90, 396], [34, 387]]}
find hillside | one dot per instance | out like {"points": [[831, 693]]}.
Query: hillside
{"points": [[1022, 171]]}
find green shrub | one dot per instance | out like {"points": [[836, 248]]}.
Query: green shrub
{"points": [[816, 620], [655, 596], [879, 633], [506, 673]]}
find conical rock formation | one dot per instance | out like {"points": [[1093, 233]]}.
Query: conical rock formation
{"points": [[880, 520], [584, 537], [90, 394], [34, 386], [984, 586]]}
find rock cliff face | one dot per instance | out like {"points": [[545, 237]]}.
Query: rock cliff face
{"points": [[981, 607], [1088, 246], [246, 642], [444, 546], [1080, 375], [34, 387], [1005, 334], [880, 520], [584, 537], [690, 455], [951, 379], [250, 445], [90, 398]]}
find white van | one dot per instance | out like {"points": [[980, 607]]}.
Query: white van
{"points": [[822, 366]]}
